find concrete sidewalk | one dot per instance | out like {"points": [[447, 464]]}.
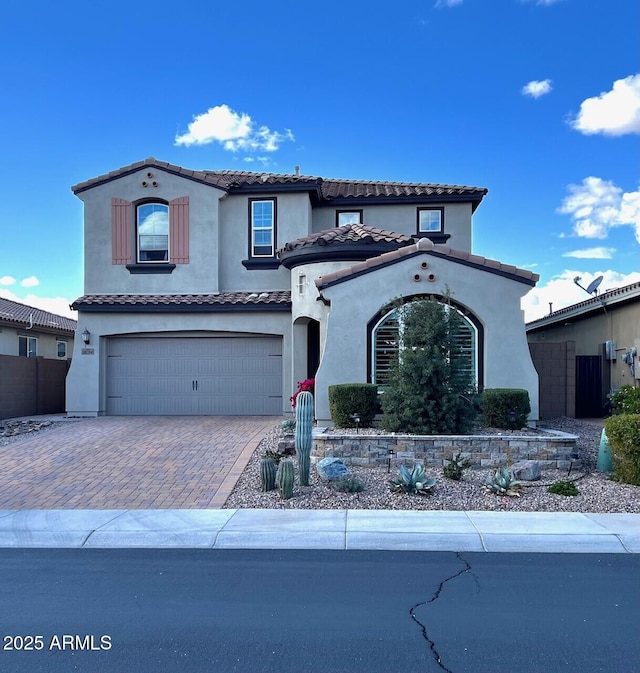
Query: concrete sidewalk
{"points": [[548, 532]]}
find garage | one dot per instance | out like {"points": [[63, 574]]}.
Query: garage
{"points": [[194, 376]]}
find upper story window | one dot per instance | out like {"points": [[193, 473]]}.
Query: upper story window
{"points": [[27, 346], [61, 347], [152, 220], [430, 220], [348, 217], [262, 226]]}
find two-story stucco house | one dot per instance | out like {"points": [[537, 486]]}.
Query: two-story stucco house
{"points": [[214, 292]]}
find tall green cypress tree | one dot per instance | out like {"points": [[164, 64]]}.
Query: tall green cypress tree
{"points": [[430, 391]]}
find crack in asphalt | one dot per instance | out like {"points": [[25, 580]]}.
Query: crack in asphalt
{"points": [[432, 645]]}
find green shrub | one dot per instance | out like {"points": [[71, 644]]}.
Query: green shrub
{"points": [[346, 399], [506, 408], [348, 484], [431, 389], [626, 400], [623, 433], [563, 488], [455, 467]]}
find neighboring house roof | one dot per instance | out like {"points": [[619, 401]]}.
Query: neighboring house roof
{"points": [[424, 245], [21, 315], [325, 191], [279, 300], [352, 242], [621, 295]]}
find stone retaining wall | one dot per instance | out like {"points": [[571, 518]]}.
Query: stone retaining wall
{"points": [[554, 450]]}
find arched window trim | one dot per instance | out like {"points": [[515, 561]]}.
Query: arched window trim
{"points": [[469, 320]]}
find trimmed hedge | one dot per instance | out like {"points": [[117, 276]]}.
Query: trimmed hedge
{"points": [[623, 433], [353, 398], [498, 402]]}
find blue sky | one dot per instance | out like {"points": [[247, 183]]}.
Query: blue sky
{"points": [[537, 100]]}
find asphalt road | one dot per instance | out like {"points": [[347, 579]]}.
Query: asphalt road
{"points": [[165, 611]]}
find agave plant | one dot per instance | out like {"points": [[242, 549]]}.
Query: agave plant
{"points": [[504, 483], [412, 481]]}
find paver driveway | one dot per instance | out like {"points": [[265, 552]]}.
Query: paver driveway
{"points": [[130, 462]]}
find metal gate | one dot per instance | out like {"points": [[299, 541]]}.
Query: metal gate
{"points": [[589, 402]]}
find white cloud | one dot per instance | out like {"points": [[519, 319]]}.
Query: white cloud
{"points": [[7, 280], [561, 291], [32, 281], [591, 253], [596, 205], [234, 131], [57, 305], [543, 2], [613, 113], [537, 88], [448, 3]]}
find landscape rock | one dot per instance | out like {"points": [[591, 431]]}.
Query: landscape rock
{"points": [[287, 447], [527, 470], [330, 469]]}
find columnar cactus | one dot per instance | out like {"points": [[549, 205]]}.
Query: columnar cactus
{"points": [[304, 427], [268, 469], [285, 478]]}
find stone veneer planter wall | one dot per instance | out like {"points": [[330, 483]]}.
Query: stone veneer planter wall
{"points": [[554, 450]]}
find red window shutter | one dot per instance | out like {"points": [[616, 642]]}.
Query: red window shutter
{"points": [[121, 220], [179, 230]]}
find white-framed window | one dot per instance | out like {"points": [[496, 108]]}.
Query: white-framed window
{"points": [[27, 346], [387, 342], [152, 231], [348, 217], [61, 348], [302, 283], [430, 220], [262, 226]]}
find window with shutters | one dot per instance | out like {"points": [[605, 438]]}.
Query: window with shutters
{"points": [[387, 343], [150, 236]]}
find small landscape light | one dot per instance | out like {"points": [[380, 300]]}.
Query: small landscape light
{"points": [[391, 454], [356, 419]]}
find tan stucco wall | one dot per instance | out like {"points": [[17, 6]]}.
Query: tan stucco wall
{"points": [[620, 323], [403, 219], [494, 299], [293, 219], [47, 343], [200, 275]]}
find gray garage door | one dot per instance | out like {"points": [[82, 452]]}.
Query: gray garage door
{"points": [[225, 376]]}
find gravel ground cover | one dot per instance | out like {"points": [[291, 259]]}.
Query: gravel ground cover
{"points": [[597, 492]]}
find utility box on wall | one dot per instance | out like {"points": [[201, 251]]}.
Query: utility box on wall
{"points": [[610, 350]]}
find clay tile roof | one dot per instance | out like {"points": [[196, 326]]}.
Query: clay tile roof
{"points": [[326, 189], [220, 299], [348, 233], [21, 314], [423, 245], [332, 189]]}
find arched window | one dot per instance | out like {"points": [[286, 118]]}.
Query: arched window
{"points": [[387, 342], [153, 232]]}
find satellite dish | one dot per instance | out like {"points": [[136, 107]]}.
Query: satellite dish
{"points": [[594, 285]]}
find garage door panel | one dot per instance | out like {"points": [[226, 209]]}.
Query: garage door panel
{"points": [[194, 376]]}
